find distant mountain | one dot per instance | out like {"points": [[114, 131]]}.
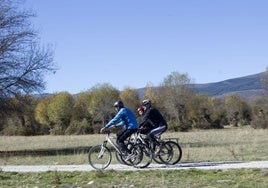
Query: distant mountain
{"points": [[246, 87]]}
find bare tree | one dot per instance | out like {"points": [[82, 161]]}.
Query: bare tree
{"points": [[177, 92], [23, 62]]}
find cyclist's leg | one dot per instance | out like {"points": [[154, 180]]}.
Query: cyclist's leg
{"points": [[157, 131], [151, 137], [122, 136], [160, 130]]}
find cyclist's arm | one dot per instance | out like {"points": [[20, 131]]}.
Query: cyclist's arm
{"points": [[115, 120], [120, 124]]}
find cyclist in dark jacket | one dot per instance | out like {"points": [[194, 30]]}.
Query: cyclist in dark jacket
{"points": [[153, 122], [145, 127]]}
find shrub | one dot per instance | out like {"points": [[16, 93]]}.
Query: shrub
{"points": [[259, 123], [179, 126], [79, 127], [202, 124], [57, 130], [97, 127]]}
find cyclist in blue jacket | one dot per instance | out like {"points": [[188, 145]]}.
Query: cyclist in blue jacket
{"points": [[124, 117]]}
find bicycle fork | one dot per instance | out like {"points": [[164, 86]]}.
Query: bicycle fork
{"points": [[103, 148]]}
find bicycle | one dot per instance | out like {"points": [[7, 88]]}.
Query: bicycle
{"points": [[169, 152], [100, 156]]}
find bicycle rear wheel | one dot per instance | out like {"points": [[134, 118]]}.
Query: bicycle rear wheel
{"points": [[170, 153], [99, 157], [156, 157]]}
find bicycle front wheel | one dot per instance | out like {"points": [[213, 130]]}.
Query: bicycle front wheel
{"points": [[99, 157]]}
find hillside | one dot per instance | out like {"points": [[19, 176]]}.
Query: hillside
{"points": [[246, 87]]}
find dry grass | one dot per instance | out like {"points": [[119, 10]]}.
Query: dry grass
{"points": [[12, 143], [237, 144], [229, 144]]}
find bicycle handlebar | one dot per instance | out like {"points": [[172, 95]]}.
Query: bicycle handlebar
{"points": [[106, 131]]}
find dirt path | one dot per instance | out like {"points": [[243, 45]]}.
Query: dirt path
{"points": [[180, 166]]}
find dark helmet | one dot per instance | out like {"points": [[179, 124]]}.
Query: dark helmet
{"points": [[119, 104], [146, 102]]}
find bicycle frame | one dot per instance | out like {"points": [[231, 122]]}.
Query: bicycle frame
{"points": [[109, 139], [138, 137]]}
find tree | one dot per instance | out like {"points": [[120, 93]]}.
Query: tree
{"points": [[205, 112], [217, 112], [81, 105], [177, 93], [41, 111], [101, 106], [154, 95], [20, 116], [81, 122], [199, 113], [260, 112], [130, 97], [238, 111], [23, 62], [60, 111]]}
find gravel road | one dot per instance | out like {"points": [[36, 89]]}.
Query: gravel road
{"points": [[179, 166]]}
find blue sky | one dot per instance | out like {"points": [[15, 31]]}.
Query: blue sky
{"points": [[131, 43]]}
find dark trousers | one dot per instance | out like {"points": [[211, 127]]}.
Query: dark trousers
{"points": [[122, 135], [154, 132]]}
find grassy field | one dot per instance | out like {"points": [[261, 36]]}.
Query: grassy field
{"points": [[229, 144]]}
